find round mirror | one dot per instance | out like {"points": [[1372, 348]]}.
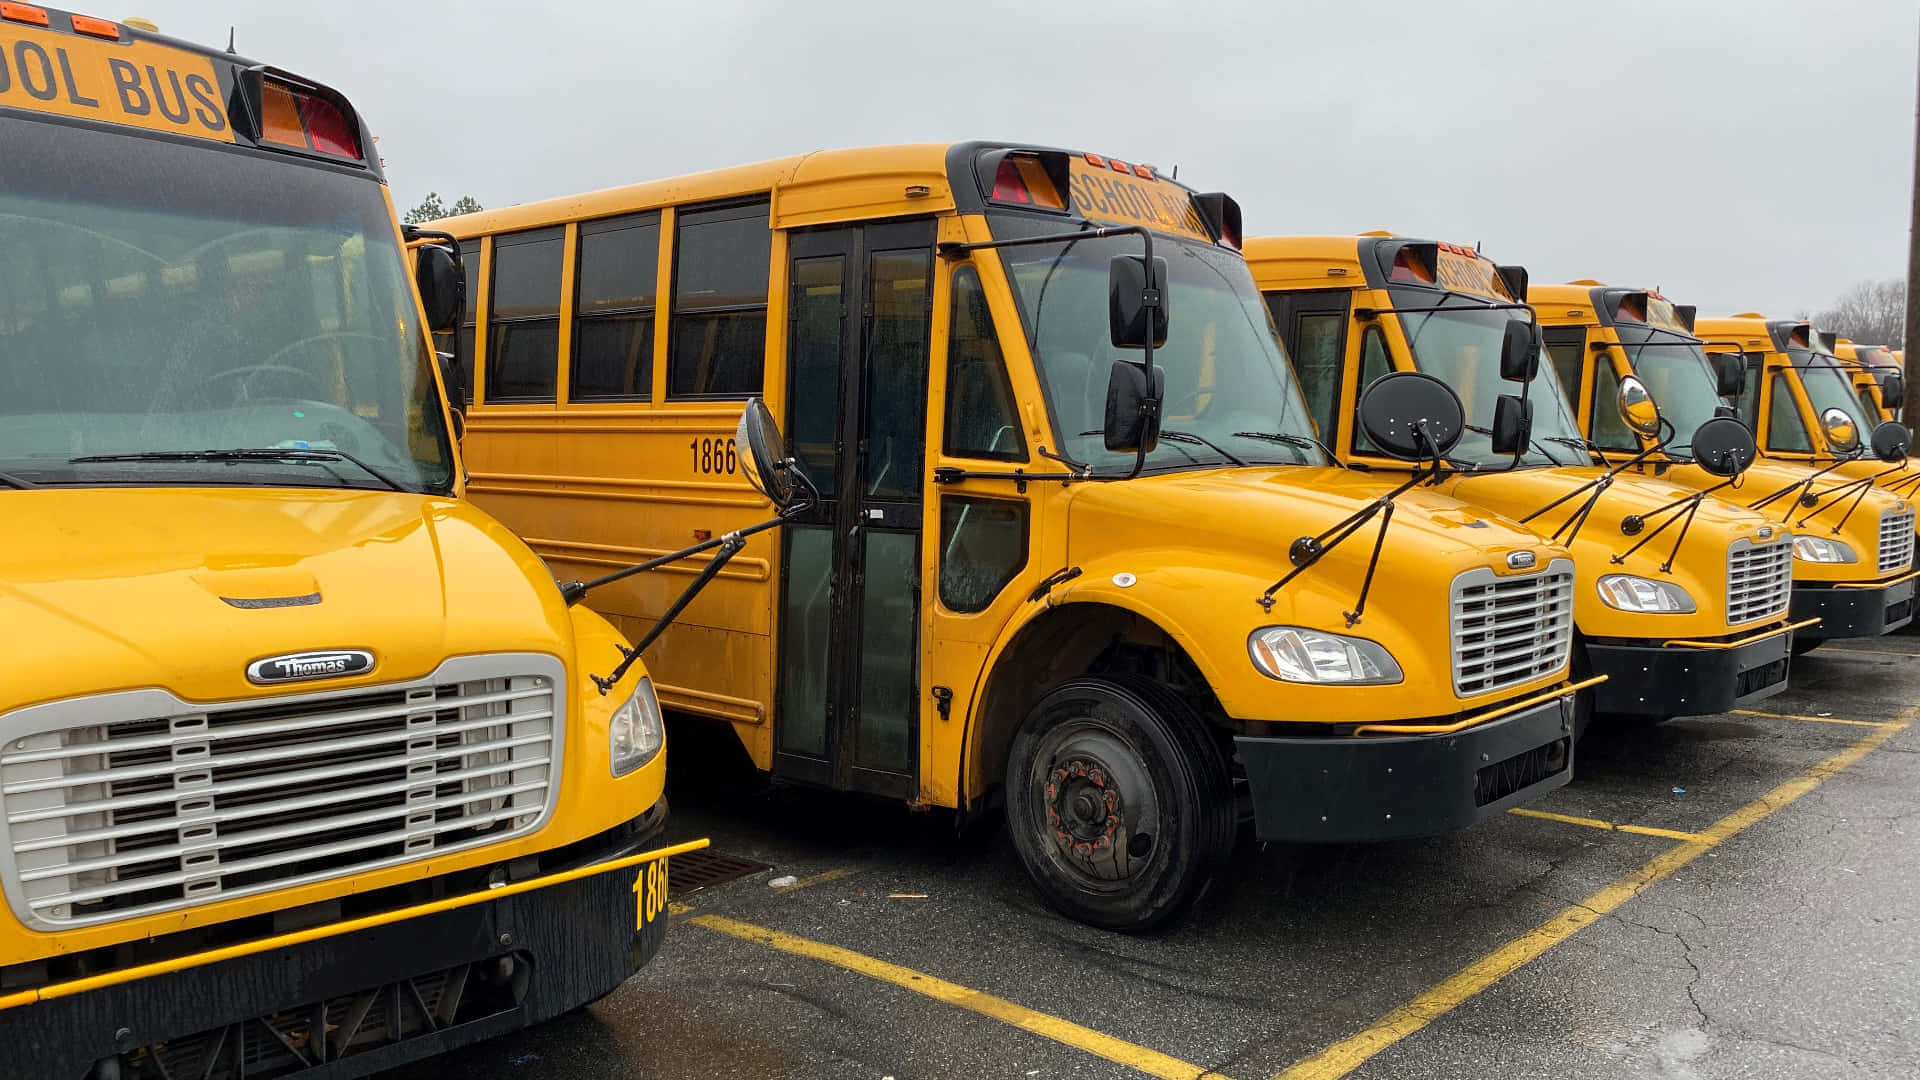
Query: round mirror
{"points": [[1891, 441], [1724, 447], [1843, 435], [760, 454], [1636, 406], [1411, 416]]}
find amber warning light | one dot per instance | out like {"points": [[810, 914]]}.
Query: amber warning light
{"points": [[303, 120]]}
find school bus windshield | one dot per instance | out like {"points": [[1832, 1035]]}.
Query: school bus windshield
{"points": [[1678, 376], [1227, 381], [159, 299], [1462, 348], [1829, 388]]}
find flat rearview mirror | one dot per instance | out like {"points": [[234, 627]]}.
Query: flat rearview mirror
{"points": [[1893, 388], [764, 460], [443, 288], [1520, 352], [1130, 428], [1512, 424], [1729, 374], [1636, 406], [1134, 321], [1723, 446], [1411, 415], [1843, 435], [1891, 441]]}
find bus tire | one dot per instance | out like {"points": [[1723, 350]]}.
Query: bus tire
{"points": [[1119, 802]]}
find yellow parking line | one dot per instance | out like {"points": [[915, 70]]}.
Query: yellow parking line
{"points": [[1821, 719], [1151, 1062], [1596, 823], [822, 877], [1349, 1054]]}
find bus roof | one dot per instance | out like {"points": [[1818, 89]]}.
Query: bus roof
{"points": [[119, 75], [1563, 303], [865, 183], [1297, 260], [1752, 329]]}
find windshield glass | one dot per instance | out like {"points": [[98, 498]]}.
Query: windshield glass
{"points": [[1462, 349], [165, 298], [1227, 379], [1829, 388], [1679, 377]]}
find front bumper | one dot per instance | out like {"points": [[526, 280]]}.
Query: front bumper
{"points": [[351, 1003], [1688, 679], [1846, 612], [1343, 789]]}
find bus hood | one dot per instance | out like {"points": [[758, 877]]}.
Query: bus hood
{"points": [[1259, 512], [182, 588], [1717, 523]]}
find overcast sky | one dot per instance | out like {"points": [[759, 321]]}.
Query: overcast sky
{"points": [[1744, 154]]}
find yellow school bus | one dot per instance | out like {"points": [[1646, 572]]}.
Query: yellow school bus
{"points": [[1682, 602], [303, 767], [1851, 567], [1009, 584], [1879, 380]]}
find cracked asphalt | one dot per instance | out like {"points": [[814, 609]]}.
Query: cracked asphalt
{"points": [[1785, 947]]}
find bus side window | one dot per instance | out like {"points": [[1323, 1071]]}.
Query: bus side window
{"points": [[523, 318], [983, 545], [981, 419], [1785, 429], [1609, 431], [719, 318], [613, 309], [1567, 345], [1373, 364]]}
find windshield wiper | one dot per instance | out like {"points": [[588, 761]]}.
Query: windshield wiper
{"points": [[1535, 443], [265, 453], [1585, 445], [1190, 439], [16, 482], [1300, 442]]}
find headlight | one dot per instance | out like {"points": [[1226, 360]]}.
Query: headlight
{"points": [[1296, 654], [1820, 549], [1629, 593], [634, 734]]}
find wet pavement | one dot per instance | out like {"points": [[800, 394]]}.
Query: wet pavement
{"points": [[1728, 896]]}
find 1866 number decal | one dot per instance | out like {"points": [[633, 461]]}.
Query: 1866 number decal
{"points": [[714, 456], [649, 893]]}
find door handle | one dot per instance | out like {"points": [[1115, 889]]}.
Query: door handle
{"points": [[854, 554]]}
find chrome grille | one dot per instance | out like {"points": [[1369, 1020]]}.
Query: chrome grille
{"points": [[1896, 540], [134, 803], [1759, 580], [1510, 630]]}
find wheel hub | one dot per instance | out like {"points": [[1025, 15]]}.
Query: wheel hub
{"points": [[1102, 812]]}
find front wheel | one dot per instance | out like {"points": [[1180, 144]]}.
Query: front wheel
{"points": [[1119, 802]]}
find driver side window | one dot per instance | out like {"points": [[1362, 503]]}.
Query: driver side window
{"points": [[1374, 363], [1785, 430], [1610, 432]]}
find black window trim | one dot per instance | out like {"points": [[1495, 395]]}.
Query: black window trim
{"points": [[638, 219], [744, 207], [518, 238]]}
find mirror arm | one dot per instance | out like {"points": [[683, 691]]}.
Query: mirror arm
{"points": [[729, 545], [1633, 523], [1860, 486], [1806, 491], [1600, 483], [573, 591], [1307, 550]]}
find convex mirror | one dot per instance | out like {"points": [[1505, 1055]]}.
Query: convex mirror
{"points": [[1411, 416], [1891, 441], [1636, 407], [764, 462], [1724, 447], [1843, 435], [1520, 351], [1128, 427]]}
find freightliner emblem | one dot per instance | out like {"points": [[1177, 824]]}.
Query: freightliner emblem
{"points": [[1520, 560], [300, 667]]}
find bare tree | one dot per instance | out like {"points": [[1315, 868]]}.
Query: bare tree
{"points": [[1871, 313]]}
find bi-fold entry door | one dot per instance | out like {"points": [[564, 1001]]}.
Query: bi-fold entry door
{"points": [[846, 710]]}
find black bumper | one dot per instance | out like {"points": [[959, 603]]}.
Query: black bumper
{"points": [[1686, 680], [390, 995], [1853, 613], [1342, 789]]}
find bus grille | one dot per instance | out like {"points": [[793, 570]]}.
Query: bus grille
{"points": [[1510, 630], [1896, 540], [1759, 580], [143, 810]]}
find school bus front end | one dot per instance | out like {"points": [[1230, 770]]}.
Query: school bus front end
{"points": [[300, 764], [1680, 602], [1852, 547], [1000, 593]]}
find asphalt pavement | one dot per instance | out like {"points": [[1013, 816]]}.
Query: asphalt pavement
{"points": [[1718, 897]]}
